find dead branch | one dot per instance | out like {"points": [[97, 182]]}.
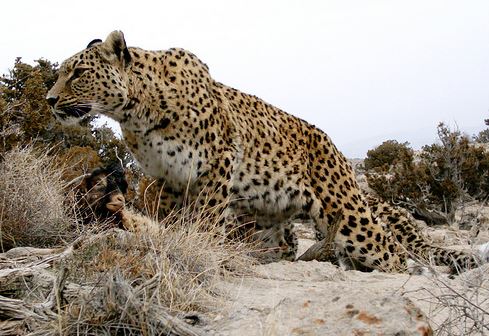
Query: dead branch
{"points": [[324, 250], [77, 180]]}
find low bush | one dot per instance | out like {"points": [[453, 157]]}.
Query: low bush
{"points": [[436, 181]]}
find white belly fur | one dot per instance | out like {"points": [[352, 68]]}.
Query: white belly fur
{"points": [[171, 160]]}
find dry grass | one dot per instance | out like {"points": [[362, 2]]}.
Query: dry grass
{"points": [[186, 249], [173, 268], [464, 307], [458, 304], [32, 210], [141, 283]]}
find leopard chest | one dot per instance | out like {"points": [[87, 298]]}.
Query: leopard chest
{"points": [[171, 160]]}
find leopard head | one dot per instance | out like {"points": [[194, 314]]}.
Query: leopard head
{"points": [[93, 81]]}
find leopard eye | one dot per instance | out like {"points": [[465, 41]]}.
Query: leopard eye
{"points": [[78, 72]]}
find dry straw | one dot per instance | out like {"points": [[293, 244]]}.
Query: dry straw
{"points": [[32, 200]]}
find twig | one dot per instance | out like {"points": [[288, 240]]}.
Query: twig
{"points": [[324, 250], [76, 180]]}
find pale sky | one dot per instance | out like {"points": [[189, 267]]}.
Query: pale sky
{"points": [[362, 71]]}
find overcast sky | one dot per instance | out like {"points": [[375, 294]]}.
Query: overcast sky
{"points": [[362, 71]]}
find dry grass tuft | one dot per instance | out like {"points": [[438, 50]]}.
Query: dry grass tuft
{"points": [[173, 268], [159, 280], [458, 304], [32, 210], [465, 307]]}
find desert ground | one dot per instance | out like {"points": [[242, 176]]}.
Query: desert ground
{"points": [[318, 298], [281, 298]]}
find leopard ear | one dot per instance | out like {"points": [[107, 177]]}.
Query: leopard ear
{"points": [[115, 46], [94, 43]]}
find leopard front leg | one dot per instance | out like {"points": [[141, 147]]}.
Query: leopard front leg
{"points": [[272, 238], [278, 242], [158, 200]]}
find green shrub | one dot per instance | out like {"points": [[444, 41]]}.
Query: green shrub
{"points": [[386, 155], [438, 179], [25, 117]]}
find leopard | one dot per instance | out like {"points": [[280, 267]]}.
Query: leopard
{"points": [[220, 146]]}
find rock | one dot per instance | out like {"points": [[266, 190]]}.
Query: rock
{"points": [[314, 298]]}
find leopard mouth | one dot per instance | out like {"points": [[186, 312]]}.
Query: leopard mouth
{"points": [[71, 115], [77, 111]]}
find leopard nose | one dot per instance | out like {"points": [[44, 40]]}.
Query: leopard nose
{"points": [[52, 100]]}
